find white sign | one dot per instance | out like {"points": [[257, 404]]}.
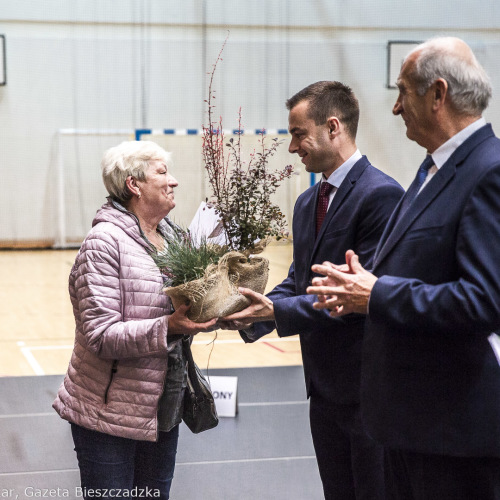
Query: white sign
{"points": [[225, 391], [206, 224]]}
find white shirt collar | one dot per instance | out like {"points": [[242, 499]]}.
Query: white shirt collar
{"points": [[338, 176], [441, 155]]}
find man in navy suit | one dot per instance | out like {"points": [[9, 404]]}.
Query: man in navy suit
{"points": [[430, 384], [349, 208]]}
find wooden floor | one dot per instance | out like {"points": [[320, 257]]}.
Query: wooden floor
{"points": [[37, 325]]}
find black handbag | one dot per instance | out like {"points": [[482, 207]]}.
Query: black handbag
{"points": [[199, 412]]}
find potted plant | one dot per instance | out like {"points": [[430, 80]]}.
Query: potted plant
{"points": [[208, 275]]}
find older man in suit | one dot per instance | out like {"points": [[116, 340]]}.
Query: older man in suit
{"points": [[349, 207], [431, 378]]}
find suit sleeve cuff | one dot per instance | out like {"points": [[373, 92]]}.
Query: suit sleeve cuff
{"points": [[248, 334], [377, 300]]}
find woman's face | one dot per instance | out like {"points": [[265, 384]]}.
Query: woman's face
{"points": [[157, 191]]}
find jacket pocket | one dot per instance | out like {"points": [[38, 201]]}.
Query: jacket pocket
{"points": [[424, 233], [335, 233], [114, 368]]}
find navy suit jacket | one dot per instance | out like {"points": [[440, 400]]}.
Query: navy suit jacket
{"points": [[331, 348], [430, 379]]}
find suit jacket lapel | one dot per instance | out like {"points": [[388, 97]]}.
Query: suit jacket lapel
{"points": [[388, 228], [394, 231], [391, 223], [342, 192], [309, 219], [430, 191]]}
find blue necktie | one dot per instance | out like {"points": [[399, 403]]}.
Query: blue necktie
{"points": [[416, 185]]}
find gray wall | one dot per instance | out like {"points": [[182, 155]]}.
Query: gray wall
{"points": [[127, 64]]}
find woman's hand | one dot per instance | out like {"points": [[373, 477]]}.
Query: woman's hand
{"points": [[180, 324]]}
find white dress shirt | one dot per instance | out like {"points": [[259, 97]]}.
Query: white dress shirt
{"points": [[443, 153], [340, 174]]}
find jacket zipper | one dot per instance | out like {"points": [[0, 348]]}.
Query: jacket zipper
{"points": [[113, 371]]}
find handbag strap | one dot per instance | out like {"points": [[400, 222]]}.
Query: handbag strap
{"points": [[193, 377]]}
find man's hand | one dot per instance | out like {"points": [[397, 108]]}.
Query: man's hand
{"points": [[180, 324], [343, 268], [260, 309], [343, 290], [233, 325]]}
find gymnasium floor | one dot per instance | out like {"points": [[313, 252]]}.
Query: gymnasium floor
{"points": [[265, 452], [37, 327]]}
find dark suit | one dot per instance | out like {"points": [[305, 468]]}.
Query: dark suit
{"points": [[430, 379], [331, 348]]}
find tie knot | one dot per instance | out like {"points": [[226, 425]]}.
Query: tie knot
{"points": [[427, 163], [325, 189]]}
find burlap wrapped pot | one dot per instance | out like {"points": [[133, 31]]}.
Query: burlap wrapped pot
{"points": [[216, 294]]}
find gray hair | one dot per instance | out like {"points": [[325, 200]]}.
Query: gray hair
{"points": [[469, 87], [130, 158]]}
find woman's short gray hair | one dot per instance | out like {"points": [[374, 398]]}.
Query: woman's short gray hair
{"points": [[469, 87], [129, 158]]}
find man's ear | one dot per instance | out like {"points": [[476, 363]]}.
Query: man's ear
{"points": [[333, 125], [440, 91]]}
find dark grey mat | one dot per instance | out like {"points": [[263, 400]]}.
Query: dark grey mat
{"points": [[264, 453]]}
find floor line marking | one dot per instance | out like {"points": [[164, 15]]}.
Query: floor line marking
{"points": [[37, 472], [247, 460], [217, 341], [25, 415], [276, 403], [47, 347], [273, 346], [54, 414], [206, 462], [240, 341], [35, 366], [38, 370]]}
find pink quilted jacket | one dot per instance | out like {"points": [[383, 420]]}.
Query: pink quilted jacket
{"points": [[119, 362]]}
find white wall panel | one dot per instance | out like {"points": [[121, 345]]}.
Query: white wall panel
{"points": [[108, 64]]}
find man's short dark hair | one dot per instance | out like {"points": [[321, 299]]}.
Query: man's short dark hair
{"points": [[329, 99]]}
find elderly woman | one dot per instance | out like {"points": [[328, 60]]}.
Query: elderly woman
{"points": [[123, 392]]}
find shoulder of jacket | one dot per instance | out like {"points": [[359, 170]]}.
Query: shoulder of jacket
{"points": [[373, 174]]}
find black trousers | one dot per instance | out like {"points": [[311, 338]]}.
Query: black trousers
{"points": [[351, 465], [420, 476]]}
